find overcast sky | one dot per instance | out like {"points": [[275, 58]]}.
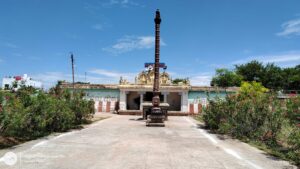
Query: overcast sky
{"points": [[113, 38]]}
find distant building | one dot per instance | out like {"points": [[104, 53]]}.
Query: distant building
{"points": [[17, 81]]}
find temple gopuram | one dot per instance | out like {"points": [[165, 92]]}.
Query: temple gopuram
{"points": [[127, 97]]}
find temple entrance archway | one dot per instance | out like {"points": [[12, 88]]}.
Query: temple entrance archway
{"points": [[133, 101], [149, 95], [174, 100]]}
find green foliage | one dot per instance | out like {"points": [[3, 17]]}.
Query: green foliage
{"points": [[226, 78], [259, 117], [293, 110], [294, 142], [270, 75], [179, 80], [252, 89], [252, 71], [28, 113], [273, 77], [292, 78], [83, 109]]}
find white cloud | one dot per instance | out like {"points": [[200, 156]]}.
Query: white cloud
{"points": [[50, 79], [287, 58], [113, 75], [196, 79], [98, 27], [129, 43], [121, 3], [201, 80], [291, 27]]}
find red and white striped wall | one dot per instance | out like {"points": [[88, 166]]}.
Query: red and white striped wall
{"points": [[105, 105], [196, 106]]}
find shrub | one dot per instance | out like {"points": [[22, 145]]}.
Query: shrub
{"points": [[28, 113], [83, 109], [11, 117], [48, 114], [293, 110], [242, 117], [259, 117], [252, 89]]}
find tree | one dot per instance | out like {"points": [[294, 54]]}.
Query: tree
{"points": [[252, 71], [273, 77], [179, 80], [291, 78], [226, 78]]}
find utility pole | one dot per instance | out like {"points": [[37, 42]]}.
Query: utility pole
{"points": [[73, 81]]}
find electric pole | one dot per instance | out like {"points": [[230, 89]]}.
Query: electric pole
{"points": [[73, 81]]}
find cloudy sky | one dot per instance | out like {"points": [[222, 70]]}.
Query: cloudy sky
{"points": [[113, 38]]}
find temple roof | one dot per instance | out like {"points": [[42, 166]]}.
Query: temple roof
{"points": [[146, 87]]}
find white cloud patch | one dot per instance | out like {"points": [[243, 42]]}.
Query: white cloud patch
{"points": [[201, 80], [113, 75], [287, 58], [130, 43], [49, 79], [291, 27], [196, 79], [98, 27], [121, 3]]}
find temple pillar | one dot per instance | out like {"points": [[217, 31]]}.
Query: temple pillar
{"points": [[184, 101], [123, 100], [165, 96], [141, 99]]}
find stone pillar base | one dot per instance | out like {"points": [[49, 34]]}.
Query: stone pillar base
{"points": [[156, 117]]}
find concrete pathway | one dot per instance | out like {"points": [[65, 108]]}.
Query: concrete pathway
{"points": [[123, 142]]}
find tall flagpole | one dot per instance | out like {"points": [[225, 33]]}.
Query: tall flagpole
{"points": [[156, 92]]}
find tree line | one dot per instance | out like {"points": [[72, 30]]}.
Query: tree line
{"points": [[269, 75]]}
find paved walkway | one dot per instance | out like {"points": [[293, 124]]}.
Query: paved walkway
{"points": [[123, 142]]}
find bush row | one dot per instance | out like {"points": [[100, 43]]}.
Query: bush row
{"points": [[260, 118], [28, 113]]}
